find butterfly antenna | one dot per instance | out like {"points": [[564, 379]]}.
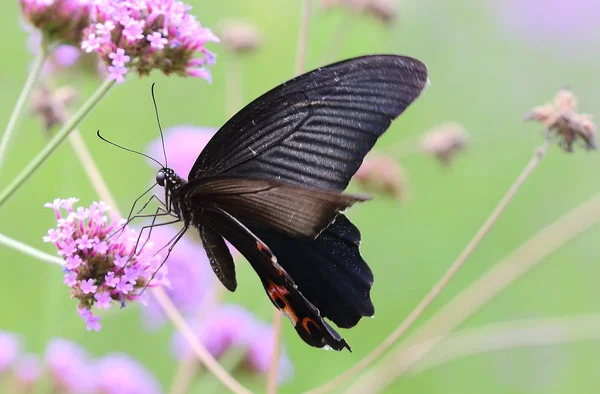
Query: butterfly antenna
{"points": [[129, 150], [162, 138]]}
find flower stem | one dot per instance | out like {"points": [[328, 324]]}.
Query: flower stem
{"points": [[446, 278], [32, 78], [55, 142], [277, 324], [30, 250]]}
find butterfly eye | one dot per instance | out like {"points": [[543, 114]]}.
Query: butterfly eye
{"points": [[160, 177]]}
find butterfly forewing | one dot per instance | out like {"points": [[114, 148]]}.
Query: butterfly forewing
{"points": [[316, 129]]}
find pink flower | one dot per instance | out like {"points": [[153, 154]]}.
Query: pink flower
{"points": [[118, 373], [27, 371], [119, 58], [90, 251], [157, 41], [152, 34]]}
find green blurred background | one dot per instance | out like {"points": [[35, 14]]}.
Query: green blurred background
{"points": [[483, 74]]}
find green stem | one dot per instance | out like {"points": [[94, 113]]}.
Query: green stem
{"points": [[30, 250], [32, 78], [51, 147]]}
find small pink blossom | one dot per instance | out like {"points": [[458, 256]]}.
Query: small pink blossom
{"points": [[119, 58], [103, 300], [157, 41], [73, 262], [88, 287], [117, 73], [91, 43]]}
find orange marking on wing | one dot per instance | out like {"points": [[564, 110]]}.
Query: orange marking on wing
{"points": [[260, 246], [305, 323], [278, 293]]}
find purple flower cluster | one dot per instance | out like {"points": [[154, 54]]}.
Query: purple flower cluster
{"points": [[100, 269], [232, 327], [58, 20], [71, 371], [143, 35]]}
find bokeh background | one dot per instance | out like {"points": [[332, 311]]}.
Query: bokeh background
{"points": [[490, 62]]}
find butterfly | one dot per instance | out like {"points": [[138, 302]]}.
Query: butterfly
{"points": [[271, 182]]}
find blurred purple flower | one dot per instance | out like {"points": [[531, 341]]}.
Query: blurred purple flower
{"points": [[97, 265], [190, 276], [10, 346], [183, 145], [66, 56], [118, 373], [550, 22], [153, 34], [261, 350], [231, 326], [27, 371], [68, 365]]}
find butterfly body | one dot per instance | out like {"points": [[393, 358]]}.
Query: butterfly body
{"points": [[271, 183]]}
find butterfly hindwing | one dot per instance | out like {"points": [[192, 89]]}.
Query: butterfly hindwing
{"points": [[315, 130], [290, 209], [279, 286], [329, 270]]}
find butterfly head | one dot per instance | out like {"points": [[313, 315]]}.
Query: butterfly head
{"points": [[168, 179]]}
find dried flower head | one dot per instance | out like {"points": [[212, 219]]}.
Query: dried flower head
{"points": [[561, 120], [51, 105], [142, 35], [100, 269], [382, 174], [59, 20], [445, 141], [239, 37], [383, 10]]}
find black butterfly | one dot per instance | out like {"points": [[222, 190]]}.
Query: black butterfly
{"points": [[271, 180]]}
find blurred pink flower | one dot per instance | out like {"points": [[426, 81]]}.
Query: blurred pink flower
{"points": [[68, 365], [183, 145], [118, 373], [561, 24], [189, 274], [10, 347], [27, 371], [233, 327]]}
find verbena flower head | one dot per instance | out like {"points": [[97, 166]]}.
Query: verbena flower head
{"points": [[230, 327], [384, 10], [190, 276], [50, 104], [100, 269], [561, 120], [142, 35], [10, 347], [184, 143], [67, 363], [118, 373], [58, 20]]}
